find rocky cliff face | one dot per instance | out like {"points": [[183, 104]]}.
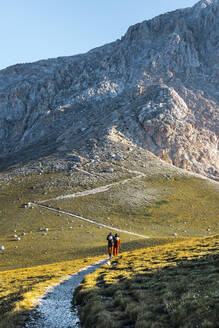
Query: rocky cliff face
{"points": [[157, 86]]}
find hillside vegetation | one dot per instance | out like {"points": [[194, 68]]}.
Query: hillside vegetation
{"points": [[159, 287], [167, 201], [166, 205], [130, 116], [20, 288]]}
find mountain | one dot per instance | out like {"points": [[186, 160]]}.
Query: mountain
{"points": [[156, 87]]}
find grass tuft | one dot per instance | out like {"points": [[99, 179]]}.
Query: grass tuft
{"points": [[173, 285], [20, 288]]}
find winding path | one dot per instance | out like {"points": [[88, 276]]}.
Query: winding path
{"points": [[55, 308], [96, 190], [92, 192], [89, 220]]}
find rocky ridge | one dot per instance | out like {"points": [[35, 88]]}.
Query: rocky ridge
{"points": [[157, 87]]}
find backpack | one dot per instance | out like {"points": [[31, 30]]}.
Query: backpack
{"points": [[110, 237]]}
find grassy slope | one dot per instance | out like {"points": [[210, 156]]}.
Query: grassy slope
{"points": [[165, 286], [66, 238], [157, 206], [19, 288], [154, 206]]}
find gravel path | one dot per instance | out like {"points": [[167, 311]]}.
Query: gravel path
{"points": [[55, 307], [96, 190], [88, 220], [89, 192]]}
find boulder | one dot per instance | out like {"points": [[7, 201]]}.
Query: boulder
{"points": [[109, 170]]}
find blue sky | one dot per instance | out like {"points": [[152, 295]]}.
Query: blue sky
{"points": [[38, 29]]}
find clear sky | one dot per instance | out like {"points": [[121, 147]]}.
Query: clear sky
{"points": [[39, 29]]}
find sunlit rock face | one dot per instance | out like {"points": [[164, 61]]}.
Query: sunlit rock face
{"points": [[158, 86]]}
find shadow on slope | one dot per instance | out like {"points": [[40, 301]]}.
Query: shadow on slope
{"points": [[23, 282], [167, 288]]}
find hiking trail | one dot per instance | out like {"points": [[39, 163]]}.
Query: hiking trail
{"points": [[91, 192], [55, 309]]}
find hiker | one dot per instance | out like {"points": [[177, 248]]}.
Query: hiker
{"points": [[110, 244], [116, 244]]}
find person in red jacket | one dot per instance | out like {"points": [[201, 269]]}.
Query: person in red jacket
{"points": [[116, 244], [110, 238]]}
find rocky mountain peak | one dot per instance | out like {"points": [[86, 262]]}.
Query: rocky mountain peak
{"points": [[158, 85], [203, 4]]}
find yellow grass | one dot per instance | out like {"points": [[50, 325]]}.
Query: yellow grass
{"points": [[173, 285], [19, 289], [156, 206]]}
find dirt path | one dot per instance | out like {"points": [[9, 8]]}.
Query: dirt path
{"points": [[87, 220], [96, 190], [92, 192], [55, 307]]}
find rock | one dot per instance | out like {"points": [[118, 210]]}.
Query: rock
{"points": [[14, 236], [28, 205], [117, 158], [23, 234], [109, 170], [18, 238], [163, 155], [175, 234], [74, 158], [2, 248], [169, 104]]}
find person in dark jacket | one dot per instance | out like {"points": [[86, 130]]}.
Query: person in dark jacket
{"points": [[116, 244], [109, 238]]}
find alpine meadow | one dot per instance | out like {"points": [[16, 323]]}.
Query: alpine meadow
{"points": [[121, 139]]}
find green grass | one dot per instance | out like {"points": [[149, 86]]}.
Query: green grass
{"points": [[155, 206], [186, 206], [167, 201], [165, 286], [61, 242]]}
